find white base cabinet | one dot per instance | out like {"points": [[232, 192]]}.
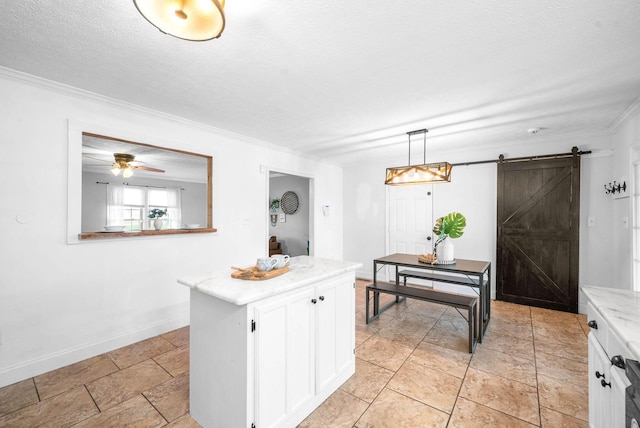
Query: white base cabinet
{"points": [[271, 362], [607, 382]]}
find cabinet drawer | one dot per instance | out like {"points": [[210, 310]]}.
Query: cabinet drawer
{"points": [[602, 332], [616, 347]]}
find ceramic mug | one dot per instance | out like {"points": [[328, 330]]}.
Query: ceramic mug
{"points": [[265, 264], [281, 259]]}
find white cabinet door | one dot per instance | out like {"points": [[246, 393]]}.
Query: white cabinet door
{"points": [[335, 339], [599, 396], [284, 357], [619, 383]]}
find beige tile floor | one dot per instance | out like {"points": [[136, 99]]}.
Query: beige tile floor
{"points": [[412, 369]]}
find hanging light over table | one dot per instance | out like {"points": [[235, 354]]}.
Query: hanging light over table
{"points": [[196, 20], [439, 172]]}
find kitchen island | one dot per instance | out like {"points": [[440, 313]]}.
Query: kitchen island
{"points": [[267, 353], [620, 310], [614, 344]]}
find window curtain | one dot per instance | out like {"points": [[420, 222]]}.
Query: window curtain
{"points": [[115, 197], [174, 207]]}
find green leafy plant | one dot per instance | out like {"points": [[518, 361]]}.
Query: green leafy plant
{"points": [[451, 225], [157, 212], [274, 205]]}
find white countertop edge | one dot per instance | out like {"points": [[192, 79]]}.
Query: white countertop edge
{"points": [[304, 270], [621, 310]]}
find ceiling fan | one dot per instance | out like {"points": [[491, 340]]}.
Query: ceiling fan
{"points": [[125, 163]]}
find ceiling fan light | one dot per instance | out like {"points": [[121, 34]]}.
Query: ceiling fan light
{"points": [[196, 20], [128, 172], [115, 170]]}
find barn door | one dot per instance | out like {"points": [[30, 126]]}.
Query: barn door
{"points": [[538, 232]]}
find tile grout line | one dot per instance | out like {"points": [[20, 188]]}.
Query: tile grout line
{"points": [[394, 372], [449, 415]]}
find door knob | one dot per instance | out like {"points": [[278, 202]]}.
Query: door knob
{"points": [[428, 238], [321, 298], [314, 301], [593, 324], [618, 361], [605, 384], [599, 375]]}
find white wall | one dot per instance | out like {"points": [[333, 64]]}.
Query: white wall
{"points": [[472, 191], [364, 215], [293, 233], [61, 303], [626, 138]]}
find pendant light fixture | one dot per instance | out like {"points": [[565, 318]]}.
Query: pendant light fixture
{"points": [[439, 172], [196, 20]]}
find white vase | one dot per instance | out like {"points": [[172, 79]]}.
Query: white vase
{"points": [[157, 223], [444, 252]]}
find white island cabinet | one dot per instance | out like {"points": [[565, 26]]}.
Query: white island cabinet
{"points": [[267, 353], [613, 317]]}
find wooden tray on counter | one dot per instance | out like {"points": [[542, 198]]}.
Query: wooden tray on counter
{"points": [[253, 274]]}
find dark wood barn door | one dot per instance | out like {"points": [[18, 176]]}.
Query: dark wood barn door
{"points": [[538, 232]]}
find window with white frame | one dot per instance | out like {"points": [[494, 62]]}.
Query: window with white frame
{"points": [[130, 205], [635, 206]]}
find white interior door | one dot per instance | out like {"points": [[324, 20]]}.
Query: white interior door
{"points": [[409, 221]]}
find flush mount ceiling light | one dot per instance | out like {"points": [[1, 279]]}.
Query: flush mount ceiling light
{"points": [[439, 172], [196, 20]]}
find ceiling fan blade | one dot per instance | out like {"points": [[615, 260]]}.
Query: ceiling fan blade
{"points": [[146, 168], [98, 159]]}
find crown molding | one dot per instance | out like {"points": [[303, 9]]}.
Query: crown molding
{"points": [[40, 82], [624, 117]]}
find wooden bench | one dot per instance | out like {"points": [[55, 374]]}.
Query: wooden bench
{"points": [[428, 295], [431, 276]]}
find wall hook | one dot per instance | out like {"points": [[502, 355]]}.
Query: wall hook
{"points": [[612, 189]]}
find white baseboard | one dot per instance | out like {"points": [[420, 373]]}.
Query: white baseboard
{"points": [[364, 274], [46, 363]]}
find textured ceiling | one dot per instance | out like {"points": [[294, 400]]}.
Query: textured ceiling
{"points": [[344, 79], [98, 157]]}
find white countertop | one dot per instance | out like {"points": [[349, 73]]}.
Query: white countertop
{"points": [[621, 310], [303, 270]]}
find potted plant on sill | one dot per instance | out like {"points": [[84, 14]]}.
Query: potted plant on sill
{"points": [[273, 207], [449, 226], [157, 215]]}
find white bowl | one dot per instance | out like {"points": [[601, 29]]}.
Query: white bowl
{"points": [[192, 225], [114, 228]]}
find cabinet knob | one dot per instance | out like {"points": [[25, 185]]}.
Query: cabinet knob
{"points": [[314, 301], [618, 361], [605, 384], [593, 324], [321, 298], [599, 375]]}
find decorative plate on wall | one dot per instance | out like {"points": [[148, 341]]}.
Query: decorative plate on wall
{"points": [[289, 203]]}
